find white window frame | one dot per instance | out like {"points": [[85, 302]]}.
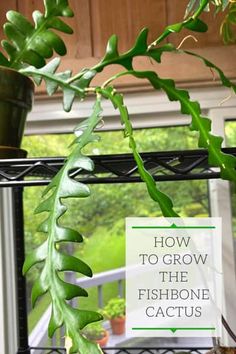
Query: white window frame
{"points": [[220, 201], [152, 109], [147, 109], [8, 294]]}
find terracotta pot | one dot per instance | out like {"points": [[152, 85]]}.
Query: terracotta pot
{"points": [[16, 97], [118, 325], [103, 341]]}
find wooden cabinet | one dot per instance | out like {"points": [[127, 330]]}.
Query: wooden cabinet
{"points": [[96, 20]]}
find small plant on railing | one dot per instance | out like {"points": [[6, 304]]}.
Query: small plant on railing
{"points": [[114, 308], [95, 332], [26, 48], [115, 312]]}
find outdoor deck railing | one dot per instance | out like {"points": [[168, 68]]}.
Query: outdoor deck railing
{"points": [[38, 337], [40, 344], [100, 279]]}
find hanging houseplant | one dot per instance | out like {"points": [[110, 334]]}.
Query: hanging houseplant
{"points": [[25, 50]]}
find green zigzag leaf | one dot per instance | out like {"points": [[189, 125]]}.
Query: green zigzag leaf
{"points": [[216, 157], [162, 199], [28, 44], [225, 81], [227, 29], [54, 81], [54, 261], [140, 48], [76, 87]]}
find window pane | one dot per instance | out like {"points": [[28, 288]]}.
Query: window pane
{"points": [[153, 139], [230, 134], [101, 217]]}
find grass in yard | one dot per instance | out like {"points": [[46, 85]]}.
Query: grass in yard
{"points": [[104, 250]]}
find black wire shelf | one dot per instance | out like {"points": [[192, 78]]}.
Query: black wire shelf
{"points": [[129, 350], [119, 168], [48, 350]]}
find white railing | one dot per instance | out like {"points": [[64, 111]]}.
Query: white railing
{"points": [[99, 279], [38, 337]]}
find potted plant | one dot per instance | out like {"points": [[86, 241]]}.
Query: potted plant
{"points": [[26, 45], [25, 52], [16, 98], [115, 312], [95, 332]]}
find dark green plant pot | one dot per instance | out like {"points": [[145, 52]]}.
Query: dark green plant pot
{"points": [[16, 98]]}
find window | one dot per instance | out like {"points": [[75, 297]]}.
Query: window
{"points": [[148, 110], [230, 134], [108, 205]]}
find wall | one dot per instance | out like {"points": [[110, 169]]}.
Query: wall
{"points": [[96, 20]]}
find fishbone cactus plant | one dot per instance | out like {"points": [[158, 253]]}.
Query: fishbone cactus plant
{"points": [[26, 49]]}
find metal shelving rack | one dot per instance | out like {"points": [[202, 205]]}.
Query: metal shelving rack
{"points": [[121, 168]]}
